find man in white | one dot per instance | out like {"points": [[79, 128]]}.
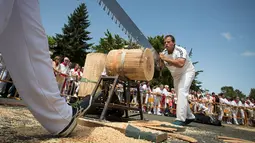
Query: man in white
{"points": [[25, 50], [158, 92], [178, 63], [240, 105], [234, 111], [167, 94]]}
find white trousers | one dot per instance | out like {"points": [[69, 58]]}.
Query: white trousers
{"points": [[182, 85], [24, 47]]}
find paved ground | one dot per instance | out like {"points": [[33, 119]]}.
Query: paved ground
{"points": [[18, 125], [208, 133]]}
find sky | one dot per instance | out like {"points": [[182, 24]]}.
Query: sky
{"points": [[220, 32]]}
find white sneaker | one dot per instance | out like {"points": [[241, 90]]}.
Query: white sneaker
{"points": [[149, 112]]}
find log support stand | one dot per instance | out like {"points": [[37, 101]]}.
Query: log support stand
{"points": [[108, 89]]}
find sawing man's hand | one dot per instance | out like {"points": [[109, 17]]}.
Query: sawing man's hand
{"points": [[162, 56]]}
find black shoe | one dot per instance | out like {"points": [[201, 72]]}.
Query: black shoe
{"points": [[84, 105], [188, 121], [78, 111]]}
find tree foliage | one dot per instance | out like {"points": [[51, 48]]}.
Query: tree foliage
{"points": [[73, 42], [252, 93], [230, 92], [51, 41], [110, 42]]}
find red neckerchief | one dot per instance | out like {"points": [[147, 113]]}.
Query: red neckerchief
{"points": [[65, 64]]}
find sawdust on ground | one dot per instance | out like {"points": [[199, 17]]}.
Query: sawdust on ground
{"points": [[17, 124]]}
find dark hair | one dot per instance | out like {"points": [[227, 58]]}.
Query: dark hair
{"points": [[171, 36]]}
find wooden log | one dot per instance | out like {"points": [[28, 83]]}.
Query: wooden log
{"points": [[159, 124], [233, 139], [151, 135], [135, 64], [93, 68], [11, 102], [182, 137], [165, 129]]}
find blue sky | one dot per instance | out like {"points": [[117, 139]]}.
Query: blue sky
{"points": [[220, 32]]}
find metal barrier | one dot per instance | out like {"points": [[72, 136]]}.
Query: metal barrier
{"points": [[6, 85]]}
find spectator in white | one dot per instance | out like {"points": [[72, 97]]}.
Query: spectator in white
{"points": [[73, 79], [167, 95], [120, 92], [79, 77], [64, 66], [209, 103], [64, 70], [158, 92], [221, 107], [202, 104], [234, 111], [199, 94], [23, 40], [240, 105], [228, 110], [249, 105], [182, 70]]}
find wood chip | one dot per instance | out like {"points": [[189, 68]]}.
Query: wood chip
{"points": [[108, 135]]}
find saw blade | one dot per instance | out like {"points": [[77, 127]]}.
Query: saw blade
{"points": [[125, 23]]}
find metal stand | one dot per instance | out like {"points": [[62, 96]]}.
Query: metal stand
{"points": [[108, 91]]}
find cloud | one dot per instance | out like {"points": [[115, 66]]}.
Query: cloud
{"points": [[227, 35], [248, 54]]}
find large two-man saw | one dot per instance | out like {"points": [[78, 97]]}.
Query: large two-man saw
{"points": [[124, 22]]}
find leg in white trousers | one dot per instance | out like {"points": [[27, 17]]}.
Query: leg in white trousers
{"points": [[24, 47], [182, 85]]}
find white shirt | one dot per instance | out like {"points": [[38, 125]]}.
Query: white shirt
{"points": [[144, 87], [178, 52], [240, 103], [158, 90], [222, 101], [64, 69], [251, 104], [165, 92], [233, 103]]}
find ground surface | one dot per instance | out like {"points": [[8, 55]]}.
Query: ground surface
{"points": [[18, 125], [208, 133]]}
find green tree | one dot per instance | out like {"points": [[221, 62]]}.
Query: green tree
{"points": [[51, 41], [196, 85], [230, 92], [111, 42], [252, 93], [239, 93], [73, 42]]}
